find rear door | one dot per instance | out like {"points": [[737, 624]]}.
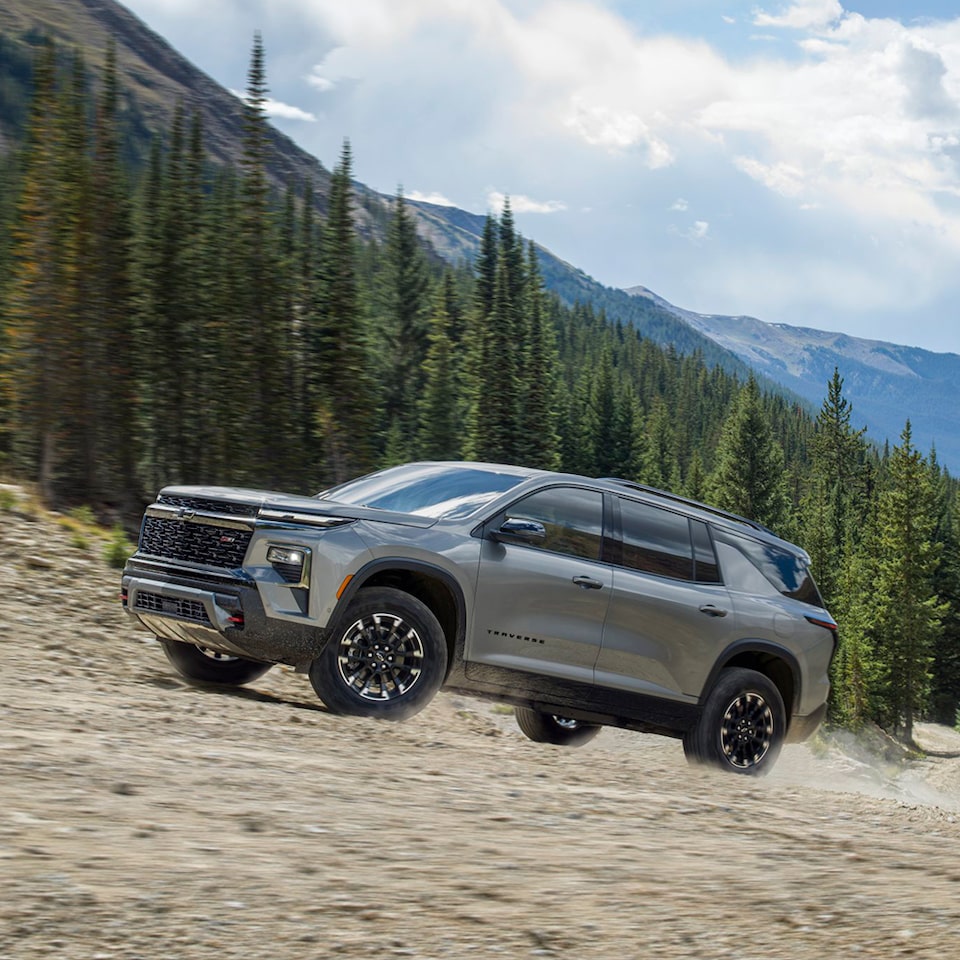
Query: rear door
{"points": [[669, 615], [540, 607]]}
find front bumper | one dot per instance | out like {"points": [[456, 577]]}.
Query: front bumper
{"points": [[220, 613]]}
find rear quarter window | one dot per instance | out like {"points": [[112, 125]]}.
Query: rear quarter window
{"points": [[785, 571]]}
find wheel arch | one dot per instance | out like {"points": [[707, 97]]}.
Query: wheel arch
{"points": [[431, 585], [773, 661]]}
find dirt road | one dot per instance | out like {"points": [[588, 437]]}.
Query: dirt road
{"points": [[141, 817]]}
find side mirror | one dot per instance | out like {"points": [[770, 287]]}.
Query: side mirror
{"points": [[519, 530]]}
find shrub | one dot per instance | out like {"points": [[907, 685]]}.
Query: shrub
{"points": [[118, 549]]}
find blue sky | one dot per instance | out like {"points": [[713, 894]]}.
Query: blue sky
{"points": [[794, 161]]}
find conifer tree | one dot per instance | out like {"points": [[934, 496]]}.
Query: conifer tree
{"points": [[748, 478], [344, 406], [261, 334], [908, 613], [438, 408], [402, 325], [832, 504], [46, 362], [111, 470], [538, 442]]}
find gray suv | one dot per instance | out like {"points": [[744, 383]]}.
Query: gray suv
{"points": [[583, 603]]}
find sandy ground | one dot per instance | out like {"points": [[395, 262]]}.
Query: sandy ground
{"points": [[142, 817]]}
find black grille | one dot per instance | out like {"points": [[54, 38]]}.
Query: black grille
{"points": [[194, 542], [210, 506], [185, 609]]}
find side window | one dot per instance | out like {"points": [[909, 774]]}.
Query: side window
{"points": [[656, 541], [786, 572], [573, 519], [705, 568]]}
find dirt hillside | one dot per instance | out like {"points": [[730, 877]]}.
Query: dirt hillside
{"points": [[144, 818]]}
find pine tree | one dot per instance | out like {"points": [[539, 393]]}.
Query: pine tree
{"points": [[345, 405], [402, 325], [109, 301], [832, 503], [262, 334], [438, 408], [748, 478], [908, 613], [538, 442], [45, 336]]}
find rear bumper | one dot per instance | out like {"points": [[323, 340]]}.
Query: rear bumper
{"points": [[222, 613]]}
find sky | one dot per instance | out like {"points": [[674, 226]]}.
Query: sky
{"points": [[798, 162]]}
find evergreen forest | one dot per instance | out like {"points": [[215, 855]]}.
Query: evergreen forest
{"points": [[174, 321]]}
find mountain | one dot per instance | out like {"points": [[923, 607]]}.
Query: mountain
{"points": [[884, 382], [153, 77]]}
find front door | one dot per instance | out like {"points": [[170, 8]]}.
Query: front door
{"points": [[540, 608]]}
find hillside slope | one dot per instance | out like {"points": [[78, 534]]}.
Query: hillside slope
{"points": [[154, 78], [141, 817], [885, 382]]}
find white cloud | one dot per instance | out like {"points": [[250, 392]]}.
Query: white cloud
{"points": [[781, 178], [320, 82], [680, 205], [695, 234], [803, 15], [438, 199], [274, 108], [522, 204], [699, 230]]}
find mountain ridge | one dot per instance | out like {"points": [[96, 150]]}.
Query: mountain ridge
{"points": [[886, 383]]}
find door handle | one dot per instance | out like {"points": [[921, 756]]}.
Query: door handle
{"points": [[711, 611], [588, 583]]}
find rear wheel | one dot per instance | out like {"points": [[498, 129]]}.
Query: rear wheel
{"points": [[387, 658], [555, 729], [742, 727], [209, 666]]}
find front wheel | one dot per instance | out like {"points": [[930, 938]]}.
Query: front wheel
{"points": [[743, 724], [551, 728], [209, 666], [387, 658]]}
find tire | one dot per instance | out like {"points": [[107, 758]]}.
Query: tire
{"points": [[387, 658], [551, 728], [203, 665], [742, 726]]}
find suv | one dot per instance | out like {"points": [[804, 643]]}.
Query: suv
{"points": [[581, 602]]}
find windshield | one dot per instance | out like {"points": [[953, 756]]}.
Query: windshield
{"points": [[427, 489]]}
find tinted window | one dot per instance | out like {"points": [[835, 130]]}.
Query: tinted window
{"points": [[705, 569], [656, 541], [572, 518], [786, 571], [428, 489]]}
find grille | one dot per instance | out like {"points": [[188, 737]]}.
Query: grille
{"points": [[185, 609], [211, 506], [194, 542]]}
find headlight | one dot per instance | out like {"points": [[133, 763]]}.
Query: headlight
{"points": [[286, 555], [292, 563]]}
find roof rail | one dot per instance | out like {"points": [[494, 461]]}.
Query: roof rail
{"points": [[667, 495]]}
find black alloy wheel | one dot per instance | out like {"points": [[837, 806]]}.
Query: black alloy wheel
{"points": [[387, 659]]}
